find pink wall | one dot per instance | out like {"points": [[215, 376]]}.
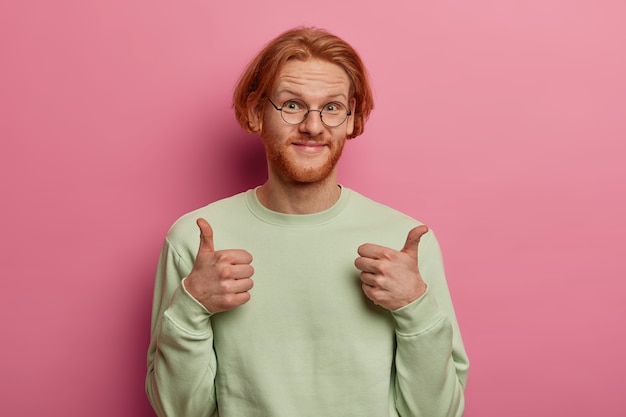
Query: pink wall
{"points": [[501, 124]]}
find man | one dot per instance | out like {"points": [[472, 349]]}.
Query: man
{"points": [[350, 313]]}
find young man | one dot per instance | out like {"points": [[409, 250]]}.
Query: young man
{"points": [[350, 313]]}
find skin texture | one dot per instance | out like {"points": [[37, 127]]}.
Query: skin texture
{"points": [[302, 179], [302, 159]]}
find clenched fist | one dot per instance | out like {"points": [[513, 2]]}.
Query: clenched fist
{"points": [[219, 280], [390, 278]]}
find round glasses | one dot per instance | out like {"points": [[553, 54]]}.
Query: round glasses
{"points": [[295, 111]]}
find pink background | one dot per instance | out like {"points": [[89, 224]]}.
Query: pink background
{"points": [[501, 124]]}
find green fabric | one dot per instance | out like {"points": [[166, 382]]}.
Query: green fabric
{"points": [[308, 343]]}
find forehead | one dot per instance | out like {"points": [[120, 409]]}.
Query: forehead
{"points": [[312, 78]]}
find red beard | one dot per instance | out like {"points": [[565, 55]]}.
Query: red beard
{"points": [[285, 165]]}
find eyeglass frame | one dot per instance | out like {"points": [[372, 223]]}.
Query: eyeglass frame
{"points": [[308, 110]]}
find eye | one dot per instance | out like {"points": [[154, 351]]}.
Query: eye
{"points": [[294, 106], [333, 107]]}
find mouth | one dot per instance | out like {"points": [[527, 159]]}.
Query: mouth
{"points": [[310, 146]]}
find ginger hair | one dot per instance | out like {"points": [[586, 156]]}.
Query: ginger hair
{"points": [[302, 43]]}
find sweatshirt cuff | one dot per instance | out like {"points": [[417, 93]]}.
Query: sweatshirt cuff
{"points": [[187, 312], [419, 315]]}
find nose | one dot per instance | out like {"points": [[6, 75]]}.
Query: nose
{"points": [[312, 123]]}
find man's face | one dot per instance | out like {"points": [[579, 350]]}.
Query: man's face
{"points": [[307, 152]]}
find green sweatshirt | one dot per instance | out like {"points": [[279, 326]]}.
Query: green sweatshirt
{"points": [[309, 342]]}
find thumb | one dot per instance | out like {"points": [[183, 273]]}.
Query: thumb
{"points": [[413, 240], [206, 235]]}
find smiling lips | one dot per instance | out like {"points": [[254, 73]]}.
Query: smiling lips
{"points": [[310, 146]]}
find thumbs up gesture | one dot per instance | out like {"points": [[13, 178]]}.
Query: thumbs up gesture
{"points": [[219, 280], [390, 278]]}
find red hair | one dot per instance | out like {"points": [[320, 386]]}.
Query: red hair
{"points": [[302, 44]]}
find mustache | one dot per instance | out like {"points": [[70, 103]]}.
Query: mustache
{"points": [[309, 139]]}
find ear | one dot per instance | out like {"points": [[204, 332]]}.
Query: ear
{"points": [[350, 121], [254, 113]]}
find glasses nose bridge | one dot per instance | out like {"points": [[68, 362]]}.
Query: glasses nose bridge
{"points": [[306, 115], [309, 111]]}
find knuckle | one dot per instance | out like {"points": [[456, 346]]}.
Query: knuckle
{"points": [[380, 281], [233, 300], [229, 299], [224, 287], [221, 256], [224, 270], [388, 254], [383, 269], [372, 293]]}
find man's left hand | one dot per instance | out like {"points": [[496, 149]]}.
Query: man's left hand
{"points": [[391, 278]]}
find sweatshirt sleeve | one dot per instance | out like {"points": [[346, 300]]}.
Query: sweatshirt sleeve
{"points": [[431, 363], [181, 359]]}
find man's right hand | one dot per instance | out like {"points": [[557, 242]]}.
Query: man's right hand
{"points": [[219, 280]]}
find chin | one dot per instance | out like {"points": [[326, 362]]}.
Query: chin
{"points": [[291, 169], [309, 176]]}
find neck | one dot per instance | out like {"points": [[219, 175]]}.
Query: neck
{"points": [[299, 198]]}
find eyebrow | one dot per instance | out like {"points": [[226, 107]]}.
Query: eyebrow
{"points": [[329, 98]]}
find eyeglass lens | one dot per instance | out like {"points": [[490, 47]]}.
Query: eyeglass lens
{"points": [[296, 111]]}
